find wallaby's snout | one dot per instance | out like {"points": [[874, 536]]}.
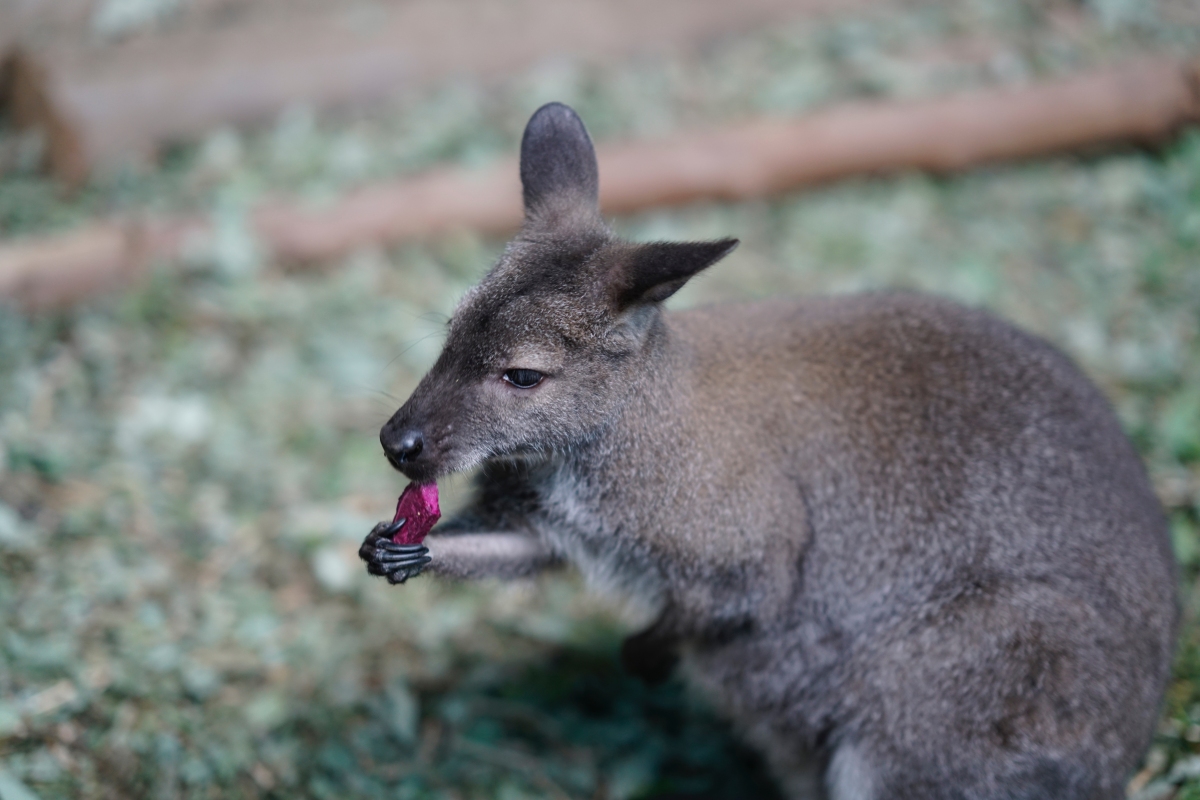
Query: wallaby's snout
{"points": [[403, 444], [414, 440], [402, 448]]}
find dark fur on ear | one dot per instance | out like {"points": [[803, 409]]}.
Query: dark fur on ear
{"points": [[652, 272], [558, 161]]}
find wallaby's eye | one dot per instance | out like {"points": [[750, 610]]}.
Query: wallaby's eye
{"points": [[523, 378]]}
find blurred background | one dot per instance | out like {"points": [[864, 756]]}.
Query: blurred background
{"points": [[191, 389]]}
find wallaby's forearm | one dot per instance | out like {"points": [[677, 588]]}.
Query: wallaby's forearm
{"points": [[455, 552], [494, 537], [488, 555]]}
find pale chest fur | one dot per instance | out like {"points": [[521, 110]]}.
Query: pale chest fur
{"points": [[597, 538]]}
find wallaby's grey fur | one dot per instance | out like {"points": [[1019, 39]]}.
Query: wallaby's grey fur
{"points": [[907, 547]]}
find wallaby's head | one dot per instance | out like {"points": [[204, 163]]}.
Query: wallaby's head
{"points": [[542, 352]]}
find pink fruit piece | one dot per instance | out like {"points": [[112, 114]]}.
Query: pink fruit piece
{"points": [[418, 505]]}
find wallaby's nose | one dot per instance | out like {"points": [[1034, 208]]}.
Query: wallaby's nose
{"points": [[405, 448]]}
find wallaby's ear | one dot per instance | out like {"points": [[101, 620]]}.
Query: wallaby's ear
{"points": [[650, 273], [558, 162]]}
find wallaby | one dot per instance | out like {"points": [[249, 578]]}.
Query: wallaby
{"points": [[905, 546]]}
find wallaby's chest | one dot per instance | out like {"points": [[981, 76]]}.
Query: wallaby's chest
{"points": [[595, 535]]}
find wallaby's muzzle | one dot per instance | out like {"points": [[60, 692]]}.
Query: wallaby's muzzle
{"points": [[407, 447], [403, 449]]}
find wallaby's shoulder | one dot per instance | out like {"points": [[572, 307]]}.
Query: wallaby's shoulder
{"points": [[867, 321]]}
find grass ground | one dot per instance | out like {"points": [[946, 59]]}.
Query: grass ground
{"points": [[186, 469]]}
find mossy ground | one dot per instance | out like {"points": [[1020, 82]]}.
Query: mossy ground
{"points": [[186, 469]]}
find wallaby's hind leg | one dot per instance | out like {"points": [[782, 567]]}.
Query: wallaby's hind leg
{"points": [[854, 775], [1010, 693], [851, 776], [798, 772]]}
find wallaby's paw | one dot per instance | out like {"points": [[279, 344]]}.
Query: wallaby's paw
{"points": [[647, 655], [396, 562]]}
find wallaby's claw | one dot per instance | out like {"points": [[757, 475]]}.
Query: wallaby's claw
{"points": [[396, 562], [400, 554]]}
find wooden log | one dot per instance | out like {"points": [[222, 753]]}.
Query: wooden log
{"points": [[1138, 103], [104, 105]]}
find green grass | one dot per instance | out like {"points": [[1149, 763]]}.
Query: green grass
{"points": [[186, 469]]}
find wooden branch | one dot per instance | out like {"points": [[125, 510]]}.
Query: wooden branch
{"points": [[1140, 103]]}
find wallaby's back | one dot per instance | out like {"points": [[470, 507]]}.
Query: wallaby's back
{"points": [[978, 555]]}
